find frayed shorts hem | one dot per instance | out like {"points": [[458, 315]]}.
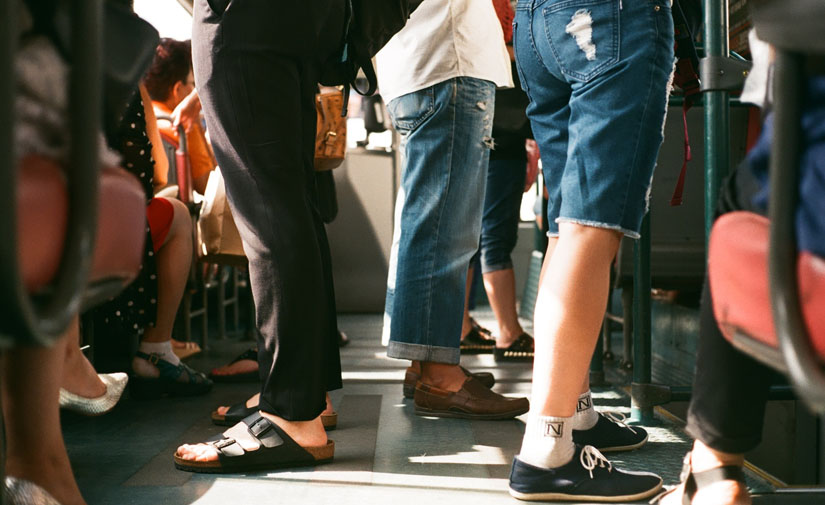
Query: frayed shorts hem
{"points": [[596, 224]]}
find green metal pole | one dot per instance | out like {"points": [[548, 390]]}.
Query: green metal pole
{"points": [[642, 349], [717, 106]]}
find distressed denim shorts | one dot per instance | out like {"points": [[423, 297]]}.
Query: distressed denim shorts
{"points": [[597, 73]]}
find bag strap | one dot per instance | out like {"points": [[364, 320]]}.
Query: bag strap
{"points": [[687, 78]]}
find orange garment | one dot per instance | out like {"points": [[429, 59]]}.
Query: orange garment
{"points": [[201, 159]]}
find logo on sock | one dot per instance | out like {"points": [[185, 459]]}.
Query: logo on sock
{"points": [[553, 429], [584, 404]]}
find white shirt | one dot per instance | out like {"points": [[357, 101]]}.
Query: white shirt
{"points": [[444, 39]]}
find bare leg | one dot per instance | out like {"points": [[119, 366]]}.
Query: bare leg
{"points": [[572, 296], [466, 324], [500, 286], [30, 382], [254, 399], [79, 376], [174, 259]]}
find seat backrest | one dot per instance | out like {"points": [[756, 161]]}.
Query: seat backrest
{"points": [[738, 275]]}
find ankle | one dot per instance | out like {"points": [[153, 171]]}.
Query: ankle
{"points": [[304, 433], [162, 349], [705, 458], [442, 376], [53, 474]]}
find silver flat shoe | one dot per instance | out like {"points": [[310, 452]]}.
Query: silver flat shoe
{"points": [[23, 492], [115, 384]]}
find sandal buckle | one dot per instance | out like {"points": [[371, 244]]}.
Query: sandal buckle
{"points": [[154, 359], [259, 427], [224, 442]]}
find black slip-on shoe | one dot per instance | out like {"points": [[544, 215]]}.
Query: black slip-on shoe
{"points": [[588, 477], [476, 342], [611, 434], [523, 348]]}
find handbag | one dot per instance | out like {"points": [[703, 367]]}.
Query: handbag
{"points": [[331, 131], [218, 237]]}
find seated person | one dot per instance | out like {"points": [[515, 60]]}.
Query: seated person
{"points": [[151, 302], [730, 389], [171, 85]]}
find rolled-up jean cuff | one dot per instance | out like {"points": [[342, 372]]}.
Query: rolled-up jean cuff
{"points": [[698, 430], [429, 353], [505, 265]]}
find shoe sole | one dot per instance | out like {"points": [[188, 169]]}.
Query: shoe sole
{"points": [[584, 498], [460, 414], [620, 448], [477, 349]]}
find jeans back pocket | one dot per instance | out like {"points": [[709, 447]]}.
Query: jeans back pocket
{"points": [[409, 111], [584, 36]]}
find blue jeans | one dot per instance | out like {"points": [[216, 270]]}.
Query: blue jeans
{"points": [[597, 74], [499, 223], [446, 138]]}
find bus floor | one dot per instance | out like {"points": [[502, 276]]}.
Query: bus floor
{"points": [[384, 452]]}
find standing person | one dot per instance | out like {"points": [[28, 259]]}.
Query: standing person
{"points": [[439, 75], [597, 77], [256, 66], [507, 181]]}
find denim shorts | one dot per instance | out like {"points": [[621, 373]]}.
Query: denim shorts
{"points": [[598, 76]]}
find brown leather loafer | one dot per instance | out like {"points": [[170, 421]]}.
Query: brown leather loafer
{"points": [[411, 377], [472, 401]]}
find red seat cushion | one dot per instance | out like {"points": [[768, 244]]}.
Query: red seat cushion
{"points": [[738, 275], [42, 210]]}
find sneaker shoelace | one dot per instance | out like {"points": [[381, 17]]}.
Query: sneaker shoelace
{"points": [[590, 458], [618, 418]]}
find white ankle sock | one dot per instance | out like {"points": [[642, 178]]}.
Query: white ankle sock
{"points": [[548, 441], [163, 349], [586, 416]]}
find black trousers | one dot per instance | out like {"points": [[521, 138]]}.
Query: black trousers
{"points": [[256, 68], [730, 389]]}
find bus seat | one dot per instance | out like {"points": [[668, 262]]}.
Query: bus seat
{"points": [[738, 275], [42, 209]]}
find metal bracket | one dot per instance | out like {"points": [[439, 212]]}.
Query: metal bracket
{"points": [[650, 395], [723, 73]]}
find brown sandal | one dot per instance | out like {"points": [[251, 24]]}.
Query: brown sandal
{"points": [[694, 481], [273, 449]]}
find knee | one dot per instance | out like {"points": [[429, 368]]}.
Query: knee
{"points": [[181, 219], [591, 239]]}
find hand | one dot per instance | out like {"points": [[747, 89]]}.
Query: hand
{"points": [[532, 163], [188, 111]]}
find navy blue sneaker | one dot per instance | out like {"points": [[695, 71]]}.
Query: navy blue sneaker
{"points": [[589, 477], [611, 434]]}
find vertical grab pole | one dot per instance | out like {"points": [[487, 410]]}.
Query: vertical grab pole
{"points": [[717, 110], [8, 39], [642, 349]]}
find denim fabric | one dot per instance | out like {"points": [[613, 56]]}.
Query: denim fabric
{"points": [[597, 73], [446, 135], [810, 215], [502, 203]]}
